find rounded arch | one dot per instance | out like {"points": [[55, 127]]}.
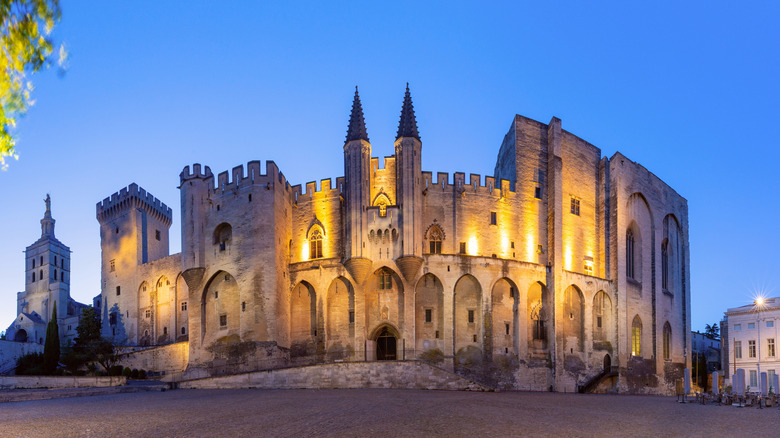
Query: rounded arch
{"points": [[504, 304], [538, 305], [340, 318], [573, 321], [222, 234], [467, 322], [602, 317], [429, 313], [220, 307], [20, 336], [636, 336]]}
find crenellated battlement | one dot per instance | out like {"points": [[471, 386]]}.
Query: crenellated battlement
{"points": [[134, 196], [325, 189], [460, 183], [239, 176], [196, 173]]}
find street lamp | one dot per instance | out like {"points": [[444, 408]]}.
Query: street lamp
{"points": [[758, 304]]}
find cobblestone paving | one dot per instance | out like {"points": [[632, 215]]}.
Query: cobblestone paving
{"points": [[376, 413]]}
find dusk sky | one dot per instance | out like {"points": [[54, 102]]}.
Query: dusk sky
{"points": [[690, 90]]}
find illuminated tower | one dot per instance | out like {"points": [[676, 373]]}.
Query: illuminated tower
{"points": [[357, 161], [408, 190]]}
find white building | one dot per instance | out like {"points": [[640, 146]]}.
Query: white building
{"points": [[749, 335]]}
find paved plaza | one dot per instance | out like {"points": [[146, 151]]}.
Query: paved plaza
{"points": [[376, 413]]}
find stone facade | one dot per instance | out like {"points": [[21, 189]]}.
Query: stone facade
{"points": [[562, 265]]}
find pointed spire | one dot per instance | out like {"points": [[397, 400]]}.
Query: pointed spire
{"points": [[47, 223], [357, 124], [407, 127]]}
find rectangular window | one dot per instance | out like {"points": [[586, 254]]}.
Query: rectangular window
{"points": [[157, 234], [770, 347], [112, 318], [148, 313], [216, 294], [428, 315], [351, 316], [112, 263], [751, 326], [118, 291], [506, 327], [223, 320], [753, 378], [598, 322], [493, 218], [385, 283], [751, 349], [165, 330], [770, 324], [588, 268], [471, 316], [538, 192], [575, 206], [435, 246], [462, 247], [315, 249], [243, 306], [183, 306], [737, 327], [183, 331], [738, 349]]}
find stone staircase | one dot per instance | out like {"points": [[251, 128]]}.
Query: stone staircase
{"points": [[409, 374]]}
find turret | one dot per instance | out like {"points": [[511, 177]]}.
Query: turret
{"points": [[194, 189], [408, 189], [357, 160]]}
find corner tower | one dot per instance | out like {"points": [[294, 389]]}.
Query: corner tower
{"points": [[408, 149], [357, 190]]}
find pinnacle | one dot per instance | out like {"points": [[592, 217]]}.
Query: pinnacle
{"points": [[357, 124], [407, 126]]}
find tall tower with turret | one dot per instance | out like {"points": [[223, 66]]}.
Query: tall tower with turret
{"points": [[357, 163], [408, 148]]}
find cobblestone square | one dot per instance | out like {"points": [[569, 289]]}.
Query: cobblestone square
{"points": [[369, 412]]}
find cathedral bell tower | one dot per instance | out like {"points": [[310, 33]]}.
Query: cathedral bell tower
{"points": [[357, 163], [408, 189]]}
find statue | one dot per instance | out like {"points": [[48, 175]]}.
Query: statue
{"points": [[48, 203]]}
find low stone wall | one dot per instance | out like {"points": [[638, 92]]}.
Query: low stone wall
{"points": [[171, 358], [396, 374], [30, 382], [10, 351]]}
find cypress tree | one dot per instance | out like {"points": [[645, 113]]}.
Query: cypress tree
{"points": [[51, 349]]}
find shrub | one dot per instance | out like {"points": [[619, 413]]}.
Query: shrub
{"points": [[115, 370], [30, 364], [126, 372], [134, 373], [141, 374], [432, 356]]}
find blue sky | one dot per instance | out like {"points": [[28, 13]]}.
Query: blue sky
{"points": [[690, 91]]}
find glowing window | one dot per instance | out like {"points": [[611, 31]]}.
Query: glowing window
{"points": [[315, 245], [752, 348], [738, 349], [770, 344], [636, 337], [435, 236]]}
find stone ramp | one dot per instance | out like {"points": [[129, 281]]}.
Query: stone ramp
{"points": [[346, 375], [16, 395]]}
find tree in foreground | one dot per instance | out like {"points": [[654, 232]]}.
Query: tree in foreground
{"points": [[89, 346], [51, 348], [26, 47]]}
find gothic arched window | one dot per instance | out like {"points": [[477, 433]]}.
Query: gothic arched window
{"points": [[667, 341], [630, 253], [636, 337], [435, 236], [315, 244], [665, 265]]}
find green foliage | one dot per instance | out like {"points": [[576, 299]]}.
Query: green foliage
{"points": [[89, 346], [26, 47], [126, 372], [433, 356], [51, 349], [712, 331], [134, 373], [141, 374], [30, 364]]}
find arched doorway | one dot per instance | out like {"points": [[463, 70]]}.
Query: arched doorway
{"points": [[386, 345], [21, 336], [607, 362]]}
